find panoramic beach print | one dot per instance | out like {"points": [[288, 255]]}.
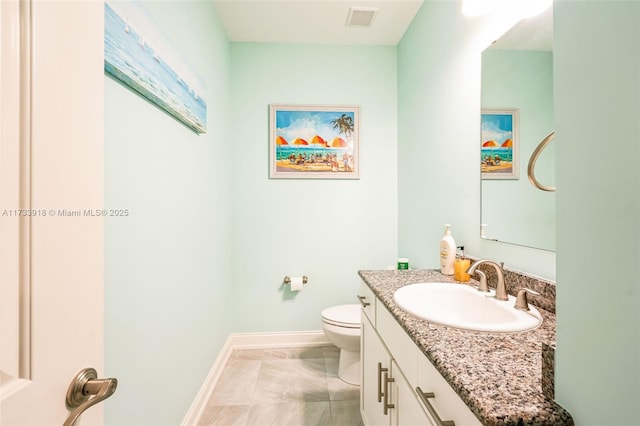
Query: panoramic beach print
{"points": [[138, 54], [499, 139], [314, 142]]}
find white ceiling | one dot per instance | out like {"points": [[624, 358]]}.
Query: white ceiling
{"points": [[313, 21], [534, 33]]}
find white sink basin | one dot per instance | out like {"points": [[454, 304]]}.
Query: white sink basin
{"points": [[462, 306]]}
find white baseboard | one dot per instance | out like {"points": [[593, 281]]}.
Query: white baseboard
{"points": [[199, 404], [279, 340], [247, 341]]}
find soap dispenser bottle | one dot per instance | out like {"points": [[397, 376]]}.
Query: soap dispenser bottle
{"points": [[447, 252], [461, 267]]}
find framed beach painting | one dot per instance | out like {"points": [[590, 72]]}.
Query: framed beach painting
{"points": [[314, 142], [139, 55], [499, 144]]}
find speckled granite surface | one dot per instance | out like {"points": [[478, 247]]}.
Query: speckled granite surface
{"points": [[497, 375], [548, 370]]}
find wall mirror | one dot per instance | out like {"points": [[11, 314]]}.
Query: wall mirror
{"points": [[517, 76]]}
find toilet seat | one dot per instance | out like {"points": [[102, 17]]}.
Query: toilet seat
{"points": [[347, 316]]}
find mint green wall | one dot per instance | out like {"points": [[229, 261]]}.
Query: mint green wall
{"points": [[210, 236], [597, 100], [438, 132], [168, 301], [597, 94], [325, 229], [523, 80]]}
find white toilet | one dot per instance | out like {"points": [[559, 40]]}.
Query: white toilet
{"points": [[341, 325]]}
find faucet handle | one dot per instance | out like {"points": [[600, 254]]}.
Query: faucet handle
{"points": [[521, 300], [483, 281]]}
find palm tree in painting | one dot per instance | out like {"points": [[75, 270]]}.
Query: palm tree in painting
{"points": [[343, 124]]}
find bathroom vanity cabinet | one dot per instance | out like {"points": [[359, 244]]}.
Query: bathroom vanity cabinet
{"points": [[387, 397], [438, 374], [400, 386]]}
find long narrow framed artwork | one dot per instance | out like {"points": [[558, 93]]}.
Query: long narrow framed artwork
{"points": [[314, 142], [139, 55], [499, 144]]}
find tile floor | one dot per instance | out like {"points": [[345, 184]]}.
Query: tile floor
{"points": [[283, 386]]}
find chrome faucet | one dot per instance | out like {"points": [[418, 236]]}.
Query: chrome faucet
{"points": [[501, 288]]}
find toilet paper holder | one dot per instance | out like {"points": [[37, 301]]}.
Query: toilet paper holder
{"points": [[287, 279]]}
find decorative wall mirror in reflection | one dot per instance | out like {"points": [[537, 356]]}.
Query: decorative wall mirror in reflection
{"points": [[517, 74]]}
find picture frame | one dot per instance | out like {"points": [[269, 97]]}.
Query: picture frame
{"points": [[314, 142], [139, 55], [500, 143]]}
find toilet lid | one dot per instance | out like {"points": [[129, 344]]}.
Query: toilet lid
{"points": [[343, 315]]}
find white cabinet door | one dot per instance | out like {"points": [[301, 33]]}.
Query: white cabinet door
{"points": [[60, 331], [376, 363], [384, 383], [407, 410]]}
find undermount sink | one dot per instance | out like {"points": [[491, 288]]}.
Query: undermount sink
{"points": [[462, 306]]}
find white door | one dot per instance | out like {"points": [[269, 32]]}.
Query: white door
{"points": [[51, 158]]}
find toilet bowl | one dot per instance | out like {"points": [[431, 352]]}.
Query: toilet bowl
{"points": [[341, 325]]}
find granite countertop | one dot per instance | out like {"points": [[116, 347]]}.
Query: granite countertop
{"points": [[498, 375]]}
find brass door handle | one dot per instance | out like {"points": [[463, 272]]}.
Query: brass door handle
{"points": [[85, 391]]}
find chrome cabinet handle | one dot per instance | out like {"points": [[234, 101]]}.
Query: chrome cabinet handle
{"points": [[380, 371], [362, 301], [424, 396], [386, 404], [85, 391]]}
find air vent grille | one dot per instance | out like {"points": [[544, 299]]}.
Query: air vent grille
{"points": [[361, 17]]}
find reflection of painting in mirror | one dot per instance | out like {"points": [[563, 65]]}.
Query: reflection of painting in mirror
{"points": [[520, 75], [499, 143]]}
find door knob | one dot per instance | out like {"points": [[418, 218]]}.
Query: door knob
{"points": [[86, 390]]}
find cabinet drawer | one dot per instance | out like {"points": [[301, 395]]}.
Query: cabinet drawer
{"points": [[398, 342], [368, 302], [445, 401]]}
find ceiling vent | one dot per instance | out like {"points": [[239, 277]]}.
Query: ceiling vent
{"points": [[361, 17]]}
